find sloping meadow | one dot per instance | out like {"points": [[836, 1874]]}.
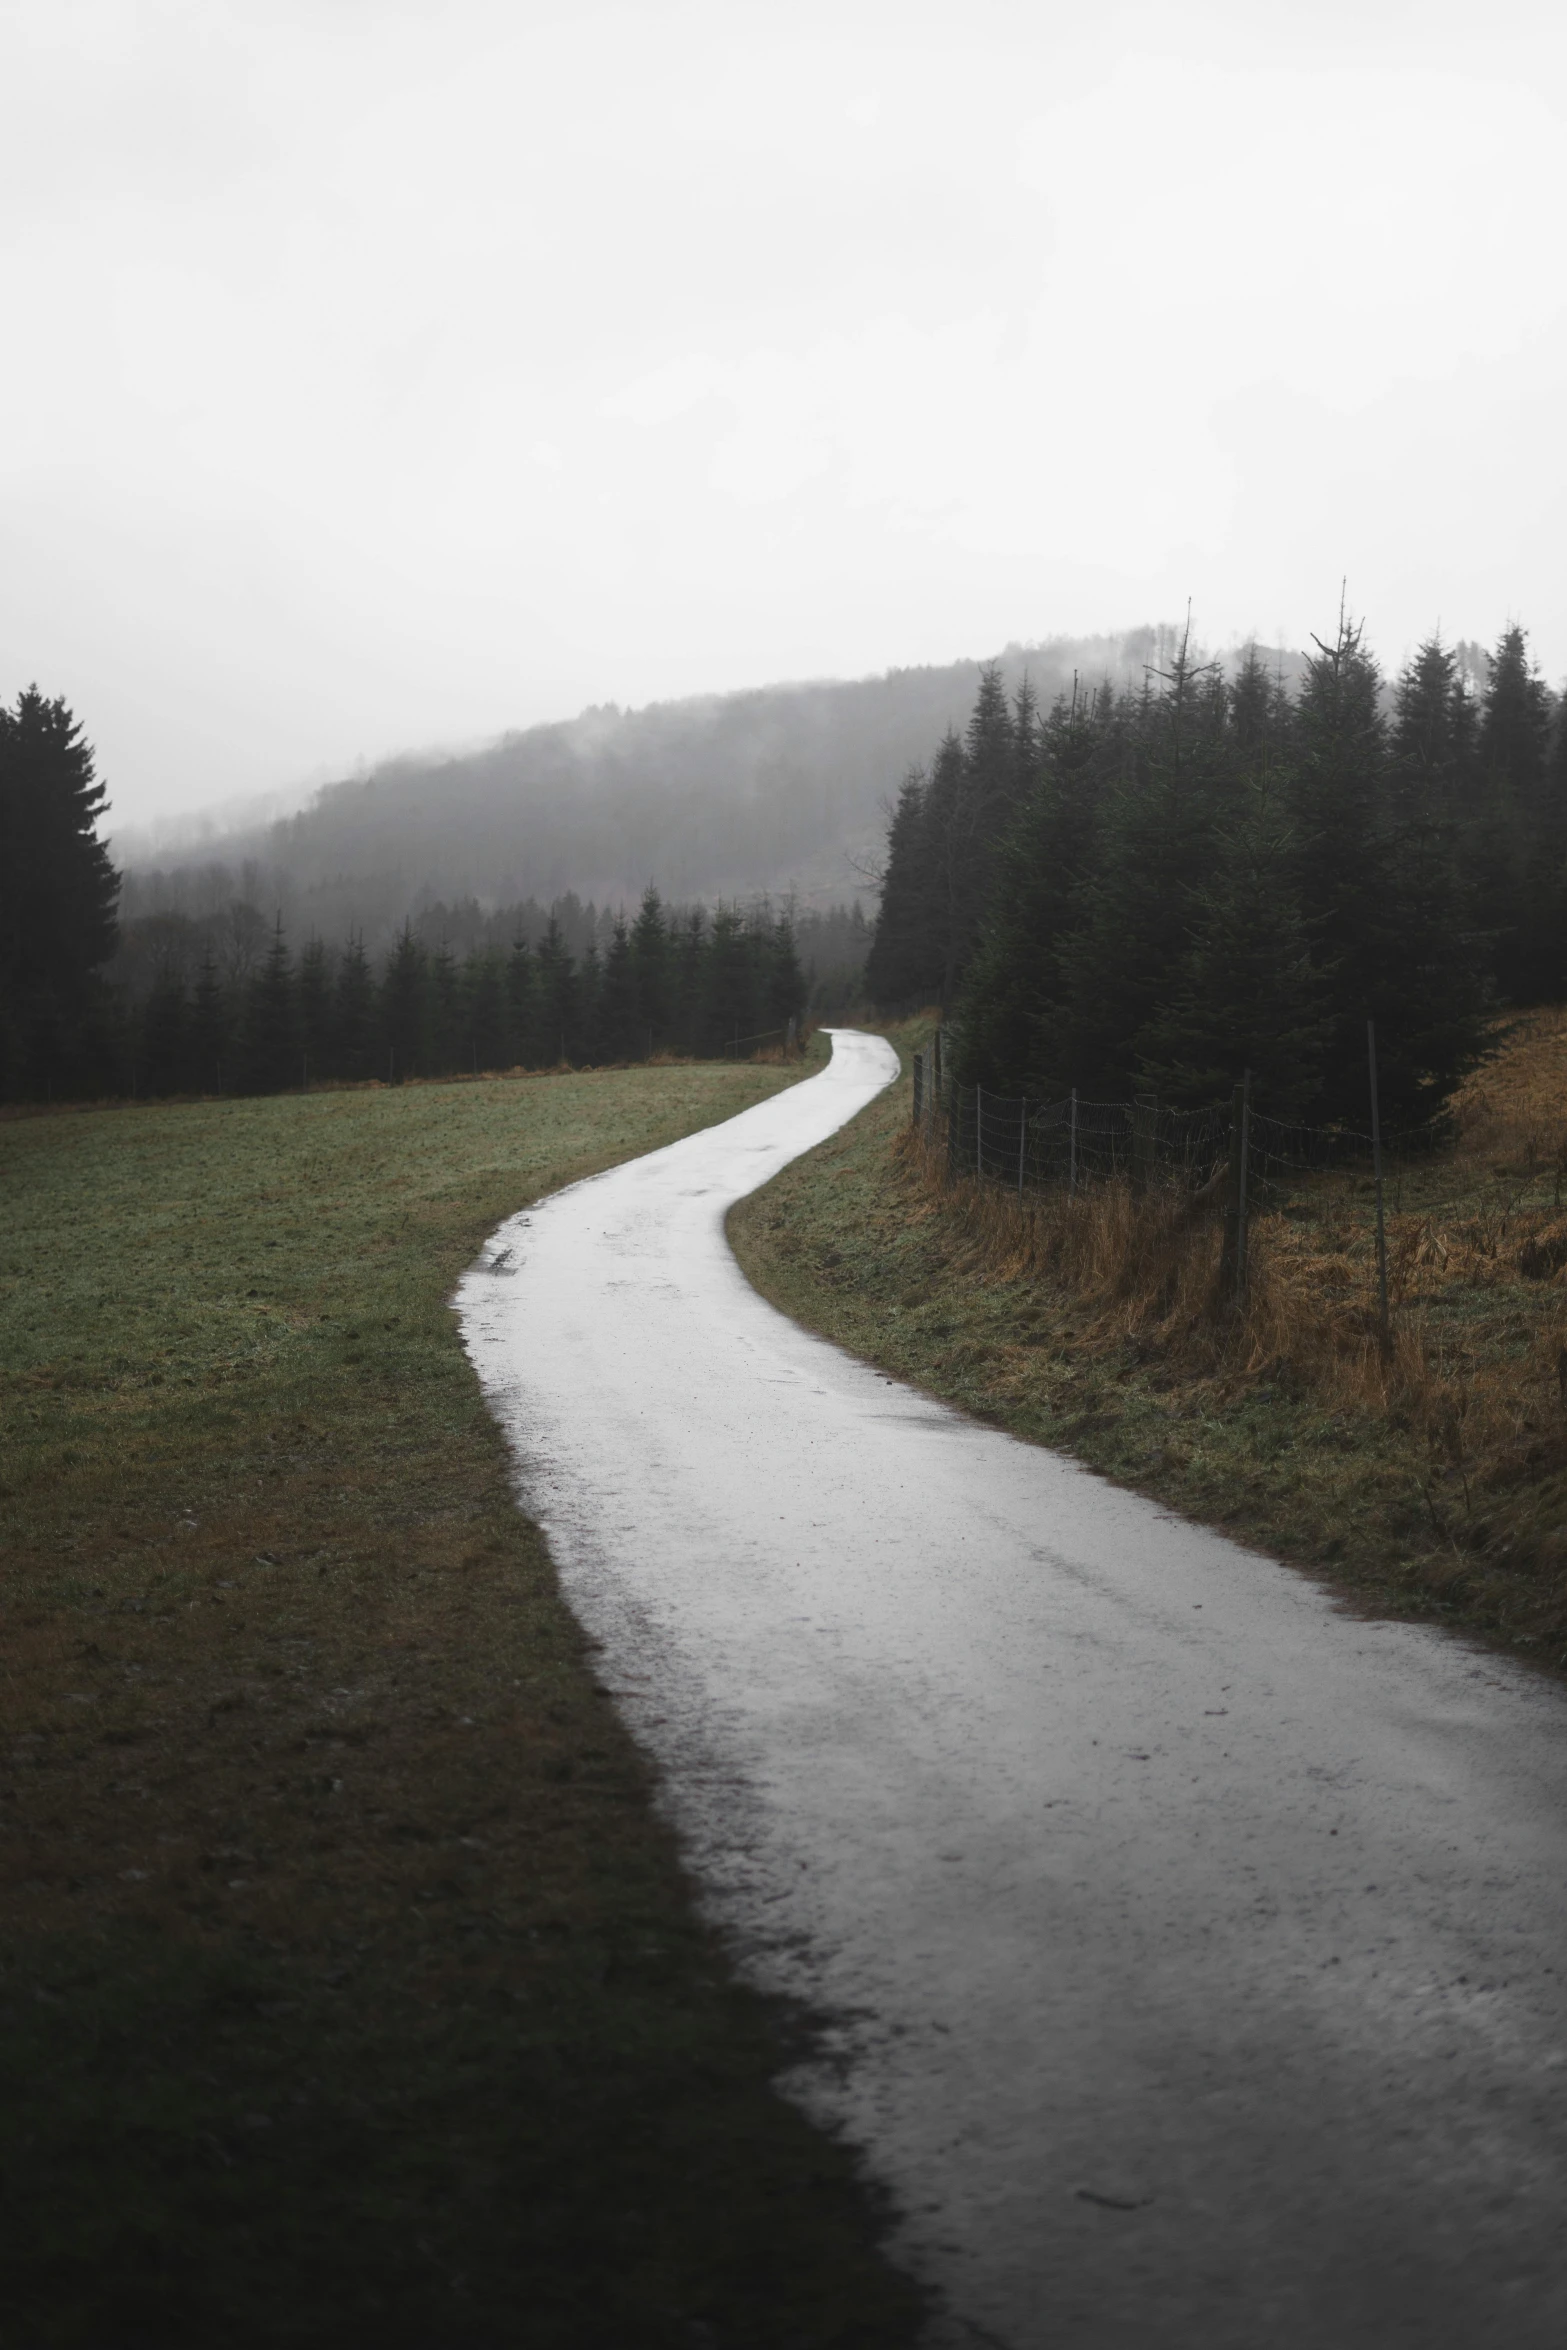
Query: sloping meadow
{"points": [[351, 1989]]}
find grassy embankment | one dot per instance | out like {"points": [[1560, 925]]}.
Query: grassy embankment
{"points": [[351, 1989], [1431, 1484]]}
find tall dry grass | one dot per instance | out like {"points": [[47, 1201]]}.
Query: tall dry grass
{"points": [[1477, 1273]]}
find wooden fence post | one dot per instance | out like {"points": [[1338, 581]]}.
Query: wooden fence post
{"points": [[1243, 1189], [1145, 1115], [1232, 1271], [919, 1087], [1071, 1164], [1386, 1327]]}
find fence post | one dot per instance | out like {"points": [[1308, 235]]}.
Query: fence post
{"points": [[919, 1087], [1232, 1269], [1243, 1189], [1376, 1164], [938, 1058], [1022, 1141], [979, 1130], [1071, 1164], [1145, 1111]]}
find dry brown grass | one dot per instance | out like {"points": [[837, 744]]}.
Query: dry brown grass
{"points": [[1477, 1278], [1430, 1477]]}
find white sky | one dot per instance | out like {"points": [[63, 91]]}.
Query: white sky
{"points": [[380, 374]]}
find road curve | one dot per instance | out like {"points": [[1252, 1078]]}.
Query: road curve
{"points": [[1195, 1949]]}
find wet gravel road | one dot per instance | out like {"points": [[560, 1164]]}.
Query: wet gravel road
{"points": [[1195, 1950]]}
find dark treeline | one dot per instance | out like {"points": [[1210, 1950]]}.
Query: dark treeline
{"points": [[700, 984], [1158, 889], [234, 933], [227, 1006]]}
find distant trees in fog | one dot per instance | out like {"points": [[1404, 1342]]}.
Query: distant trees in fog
{"points": [[700, 984], [1158, 887]]}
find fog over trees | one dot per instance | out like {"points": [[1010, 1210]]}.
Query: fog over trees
{"points": [[778, 792]]}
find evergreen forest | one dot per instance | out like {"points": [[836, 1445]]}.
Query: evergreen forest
{"points": [[1157, 889], [227, 1006]]}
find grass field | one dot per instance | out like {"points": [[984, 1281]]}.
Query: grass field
{"points": [[1430, 1482], [351, 1990]]}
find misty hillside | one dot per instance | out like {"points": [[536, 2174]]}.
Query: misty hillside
{"points": [[727, 796]]}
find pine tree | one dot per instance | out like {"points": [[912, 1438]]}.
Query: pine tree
{"points": [[355, 1042], [1156, 846], [1246, 993], [651, 972], [622, 1036], [689, 965], [555, 1017], [1515, 843], [1013, 1031], [904, 966], [783, 987], [210, 1031], [1427, 742], [405, 1008], [58, 893], [731, 1009], [269, 1046], [1343, 869], [315, 1011], [58, 890], [449, 1047], [486, 1013], [521, 1000]]}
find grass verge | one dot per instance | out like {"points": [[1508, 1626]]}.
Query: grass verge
{"points": [[351, 1990], [1431, 1484]]}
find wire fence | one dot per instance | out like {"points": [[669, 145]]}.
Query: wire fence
{"points": [[1228, 1155]]}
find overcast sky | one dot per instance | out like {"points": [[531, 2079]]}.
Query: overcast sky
{"points": [[379, 375]]}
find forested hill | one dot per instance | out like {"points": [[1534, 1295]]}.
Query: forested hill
{"points": [[726, 796]]}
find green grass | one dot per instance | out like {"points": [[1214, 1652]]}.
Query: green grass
{"points": [[1444, 1497], [351, 1989]]}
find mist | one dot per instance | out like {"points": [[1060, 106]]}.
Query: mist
{"points": [[394, 376]]}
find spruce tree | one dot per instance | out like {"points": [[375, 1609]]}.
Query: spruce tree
{"points": [[1343, 868], [269, 1045], [58, 893], [210, 1031], [521, 998], [58, 890], [904, 966], [651, 972], [486, 1012], [622, 1036], [1246, 993], [555, 1015], [1155, 848], [316, 1011], [1516, 846], [450, 1047], [783, 986], [405, 1008], [1013, 1034], [355, 1039], [731, 993], [689, 965]]}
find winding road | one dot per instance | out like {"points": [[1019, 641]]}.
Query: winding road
{"points": [[1193, 1949]]}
